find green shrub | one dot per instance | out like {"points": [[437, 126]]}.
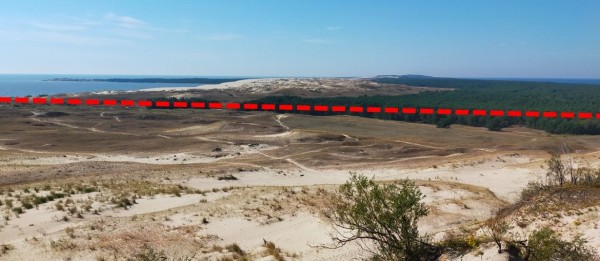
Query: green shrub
{"points": [[386, 214], [27, 205], [545, 244]]}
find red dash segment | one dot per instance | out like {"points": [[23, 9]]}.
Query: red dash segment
{"points": [[461, 112], [163, 104], [198, 105], [338, 108], [180, 104], [585, 115], [597, 115], [232, 106], [250, 106], [127, 103], [426, 111], [144, 103], [373, 109], [390, 110], [409, 110], [303, 107], [92, 102], [549, 114], [267, 107], [109, 102], [215, 105], [533, 114], [40, 100], [5, 99], [496, 113], [57, 101], [321, 108], [286, 107], [444, 111], [479, 112], [515, 113], [74, 101], [22, 100], [567, 115], [356, 109]]}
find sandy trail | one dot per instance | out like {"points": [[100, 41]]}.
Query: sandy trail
{"points": [[213, 140], [278, 119], [349, 137], [419, 144]]}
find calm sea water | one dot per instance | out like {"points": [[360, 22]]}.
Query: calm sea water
{"points": [[22, 85]]}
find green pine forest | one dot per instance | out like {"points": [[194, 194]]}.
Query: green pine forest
{"points": [[479, 94], [474, 94]]}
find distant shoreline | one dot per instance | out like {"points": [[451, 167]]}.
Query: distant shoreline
{"points": [[151, 80], [224, 85]]}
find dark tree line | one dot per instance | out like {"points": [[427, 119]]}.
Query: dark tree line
{"points": [[471, 94]]}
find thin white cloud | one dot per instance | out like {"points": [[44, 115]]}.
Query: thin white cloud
{"points": [[333, 28], [124, 21], [58, 27], [315, 41], [223, 37], [73, 39]]}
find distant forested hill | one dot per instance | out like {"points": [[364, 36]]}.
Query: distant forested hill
{"points": [[479, 94]]}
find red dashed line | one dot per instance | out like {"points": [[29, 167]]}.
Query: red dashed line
{"points": [[338, 108], [533, 114], [298, 107], [390, 110], [515, 113], [215, 105], [479, 113], [21, 100], [585, 115], [233, 106], [567, 115], [321, 108], [374, 109], [461, 112], [406, 110], [426, 111], [356, 109], [496, 113], [127, 103], [163, 104], [180, 104], [57, 101], [286, 107], [198, 105], [444, 111], [250, 106], [303, 107], [91, 102], [144, 103], [549, 114], [267, 107], [109, 102], [40, 101], [74, 101]]}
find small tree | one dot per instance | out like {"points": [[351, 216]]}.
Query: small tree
{"points": [[383, 214], [556, 170], [496, 230]]}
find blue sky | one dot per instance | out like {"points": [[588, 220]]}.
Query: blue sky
{"points": [[459, 38]]}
